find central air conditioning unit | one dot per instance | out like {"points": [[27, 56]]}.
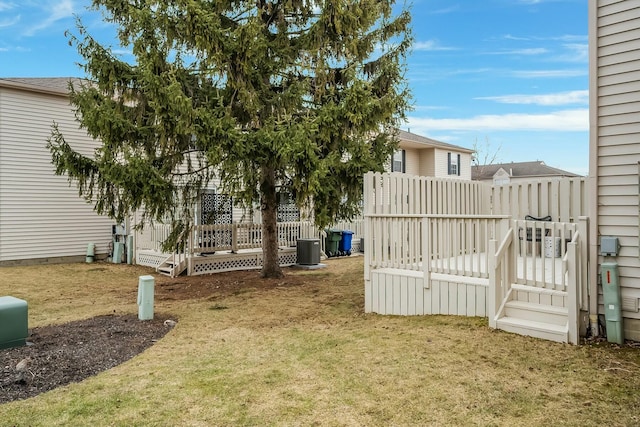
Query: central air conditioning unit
{"points": [[308, 251]]}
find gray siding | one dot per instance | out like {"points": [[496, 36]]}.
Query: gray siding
{"points": [[615, 68], [41, 216]]}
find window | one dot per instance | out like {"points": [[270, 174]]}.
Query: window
{"points": [[398, 161], [453, 161]]}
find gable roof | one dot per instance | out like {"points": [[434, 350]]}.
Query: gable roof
{"points": [[51, 85], [411, 140], [519, 170]]}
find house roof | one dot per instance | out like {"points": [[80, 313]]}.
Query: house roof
{"points": [[52, 85], [411, 140], [518, 169]]}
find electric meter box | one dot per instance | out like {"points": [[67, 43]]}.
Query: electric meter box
{"points": [[609, 246]]}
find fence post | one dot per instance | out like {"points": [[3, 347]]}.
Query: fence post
{"points": [[584, 279], [234, 238], [189, 251], [426, 253], [572, 292], [492, 302]]}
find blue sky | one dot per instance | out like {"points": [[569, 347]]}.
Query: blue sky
{"points": [[509, 74]]}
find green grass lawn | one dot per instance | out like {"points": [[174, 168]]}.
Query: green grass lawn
{"points": [[306, 354]]}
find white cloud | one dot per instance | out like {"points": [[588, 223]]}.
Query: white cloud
{"points": [[430, 107], [9, 21], [558, 121], [61, 9], [577, 52], [4, 5], [560, 98], [571, 38], [512, 37], [525, 51], [446, 10], [430, 45], [530, 74]]}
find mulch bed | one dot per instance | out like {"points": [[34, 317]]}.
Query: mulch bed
{"points": [[63, 354]]}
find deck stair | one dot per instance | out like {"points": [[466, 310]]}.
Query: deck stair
{"points": [[172, 267], [535, 312]]}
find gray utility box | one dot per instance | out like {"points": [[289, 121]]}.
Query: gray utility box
{"points": [[13, 322], [308, 251]]}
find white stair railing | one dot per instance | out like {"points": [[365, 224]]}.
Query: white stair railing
{"points": [[501, 274]]}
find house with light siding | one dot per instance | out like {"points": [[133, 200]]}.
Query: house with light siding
{"points": [[42, 219], [614, 42], [422, 156]]}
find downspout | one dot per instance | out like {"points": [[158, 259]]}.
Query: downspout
{"points": [[592, 179]]}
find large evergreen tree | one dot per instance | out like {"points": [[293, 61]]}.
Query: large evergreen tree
{"points": [[253, 93]]}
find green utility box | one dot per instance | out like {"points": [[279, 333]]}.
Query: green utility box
{"points": [[612, 302], [145, 297], [14, 327], [332, 241]]}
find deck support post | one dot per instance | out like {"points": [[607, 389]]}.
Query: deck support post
{"points": [[573, 296], [492, 301], [587, 280], [426, 253]]}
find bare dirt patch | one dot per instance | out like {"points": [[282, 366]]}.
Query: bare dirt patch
{"points": [[220, 285]]}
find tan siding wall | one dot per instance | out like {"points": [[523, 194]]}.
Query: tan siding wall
{"points": [[427, 162], [440, 164], [412, 158], [617, 72], [465, 172], [41, 216]]}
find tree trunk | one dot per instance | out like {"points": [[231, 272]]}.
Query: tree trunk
{"points": [[269, 205]]}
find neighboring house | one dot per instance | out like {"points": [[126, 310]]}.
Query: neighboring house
{"points": [[422, 156], [42, 219], [508, 173], [614, 42]]}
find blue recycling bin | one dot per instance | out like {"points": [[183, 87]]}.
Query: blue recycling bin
{"points": [[345, 242]]}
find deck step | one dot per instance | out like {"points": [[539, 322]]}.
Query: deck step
{"points": [[537, 312], [165, 270], [542, 330], [537, 290]]}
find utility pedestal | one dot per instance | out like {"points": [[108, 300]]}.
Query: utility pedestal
{"points": [[612, 302]]}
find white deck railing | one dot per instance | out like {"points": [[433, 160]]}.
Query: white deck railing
{"points": [[239, 236], [233, 237], [447, 244], [534, 252], [502, 268], [397, 241], [152, 236], [558, 266], [542, 246], [457, 244]]}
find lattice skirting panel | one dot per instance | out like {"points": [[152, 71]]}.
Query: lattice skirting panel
{"points": [[242, 261], [150, 259], [355, 246]]}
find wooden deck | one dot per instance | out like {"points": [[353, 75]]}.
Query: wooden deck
{"points": [[448, 247], [404, 291], [238, 246]]}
